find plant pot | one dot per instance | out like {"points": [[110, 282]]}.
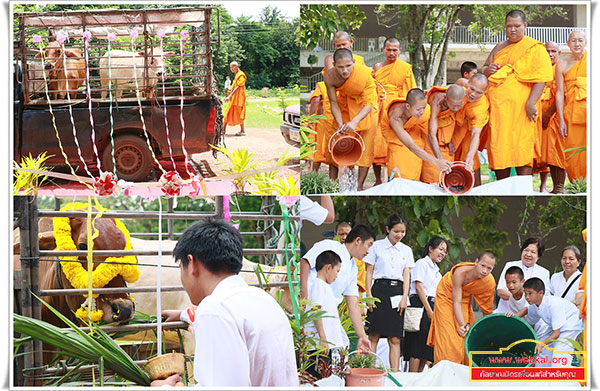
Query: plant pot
{"points": [[365, 377], [166, 365], [346, 148], [458, 181]]}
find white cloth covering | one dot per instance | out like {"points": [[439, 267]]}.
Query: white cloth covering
{"points": [[558, 284], [389, 260], [534, 271], [345, 283], [320, 293], [243, 338], [427, 272]]}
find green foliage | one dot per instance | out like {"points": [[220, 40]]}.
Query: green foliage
{"points": [[307, 134], [321, 21], [363, 304], [493, 16], [317, 183], [482, 226], [578, 186], [28, 183], [361, 361]]}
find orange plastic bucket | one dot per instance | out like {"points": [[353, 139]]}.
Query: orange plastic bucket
{"points": [[346, 148], [458, 181]]}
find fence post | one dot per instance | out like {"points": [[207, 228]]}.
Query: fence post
{"points": [[36, 306], [25, 254], [170, 221], [219, 212]]}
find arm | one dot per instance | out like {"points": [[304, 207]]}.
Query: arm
{"points": [[423, 297], [548, 114], [333, 103], [559, 99], [520, 314], [304, 269], [457, 281], [433, 128], [555, 335], [351, 125], [405, 288], [490, 67], [314, 105], [475, 135], [327, 203], [531, 106], [356, 318], [369, 281], [321, 332]]}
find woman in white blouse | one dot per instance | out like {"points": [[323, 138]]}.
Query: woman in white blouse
{"points": [[566, 283], [388, 264], [425, 277]]}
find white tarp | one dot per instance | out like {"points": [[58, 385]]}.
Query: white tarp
{"points": [[449, 374]]}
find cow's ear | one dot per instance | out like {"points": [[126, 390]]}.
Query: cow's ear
{"points": [[47, 241], [72, 53]]}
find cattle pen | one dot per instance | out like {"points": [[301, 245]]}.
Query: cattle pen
{"points": [[29, 368]]}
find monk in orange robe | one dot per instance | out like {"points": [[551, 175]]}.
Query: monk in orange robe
{"points": [[353, 99], [325, 128], [453, 312], [470, 121], [235, 111], [404, 125], [571, 103], [552, 143], [517, 69], [394, 79], [341, 40], [445, 102]]}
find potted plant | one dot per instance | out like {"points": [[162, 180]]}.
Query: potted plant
{"points": [[362, 371]]}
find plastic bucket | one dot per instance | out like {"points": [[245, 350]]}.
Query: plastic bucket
{"points": [[365, 377], [346, 148], [458, 181], [496, 331]]}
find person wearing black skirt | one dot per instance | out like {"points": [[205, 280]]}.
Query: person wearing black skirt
{"points": [[425, 278], [388, 264]]}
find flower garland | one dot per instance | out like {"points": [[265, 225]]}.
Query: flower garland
{"points": [[104, 273]]}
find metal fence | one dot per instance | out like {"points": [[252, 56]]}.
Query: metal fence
{"points": [[486, 36]]}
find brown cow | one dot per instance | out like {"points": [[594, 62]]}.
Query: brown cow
{"points": [[66, 71], [117, 308]]}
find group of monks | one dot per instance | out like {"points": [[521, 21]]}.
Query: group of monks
{"points": [[526, 107]]}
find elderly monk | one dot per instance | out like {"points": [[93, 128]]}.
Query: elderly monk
{"points": [[467, 70], [470, 120], [552, 153], [571, 103], [394, 79], [445, 102], [404, 125], [517, 69], [325, 127], [235, 111], [341, 40], [353, 99], [453, 312]]}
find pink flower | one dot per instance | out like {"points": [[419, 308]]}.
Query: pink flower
{"points": [[160, 33], [171, 183], [111, 36], [184, 34], [37, 39], [60, 38], [288, 200], [86, 36], [197, 185], [134, 34]]}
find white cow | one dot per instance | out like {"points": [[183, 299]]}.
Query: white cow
{"points": [[122, 75]]}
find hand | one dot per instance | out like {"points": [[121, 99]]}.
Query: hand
{"points": [[227, 99], [538, 349], [303, 294], [348, 126], [326, 346], [171, 315], [562, 128], [531, 109], [493, 68], [402, 305], [370, 305], [452, 148], [469, 160], [169, 381], [509, 314], [430, 314], [463, 330], [443, 165], [364, 345]]}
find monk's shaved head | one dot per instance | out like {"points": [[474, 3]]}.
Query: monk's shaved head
{"points": [[516, 14], [577, 33], [455, 92], [342, 35], [553, 51], [415, 95], [480, 79], [391, 40], [477, 87], [342, 53], [551, 45]]}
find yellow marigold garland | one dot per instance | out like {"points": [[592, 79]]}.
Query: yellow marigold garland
{"points": [[104, 272]]}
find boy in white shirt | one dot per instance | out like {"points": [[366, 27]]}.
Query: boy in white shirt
{"points": [[515, 279], [560, 314], [329, 328]]}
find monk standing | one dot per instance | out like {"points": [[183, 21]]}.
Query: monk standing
{"points": [[571, 103], [470, 120], [394, 78], [517, 69], [353, 99], [467, 70], [235, 111], [404, 125], [453, 312], [341, 40], [552, 143], [445, 102]]}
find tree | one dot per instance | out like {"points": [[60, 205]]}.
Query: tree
{"points": [[320, 21]]}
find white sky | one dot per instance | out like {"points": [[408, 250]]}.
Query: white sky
{"points": [[252, 8]]}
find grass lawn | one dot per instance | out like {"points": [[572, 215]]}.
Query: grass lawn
{"points": [[265, 113]]}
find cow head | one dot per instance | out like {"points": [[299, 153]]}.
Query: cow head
{"points": [[156, 63], [54, 59]]}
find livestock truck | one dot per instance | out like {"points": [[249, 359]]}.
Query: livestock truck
{"points": [[106, 101]]}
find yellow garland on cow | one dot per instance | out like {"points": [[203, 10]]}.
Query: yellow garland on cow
{"points": [[104, 272]]}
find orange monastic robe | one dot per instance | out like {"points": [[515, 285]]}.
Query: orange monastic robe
{"points": [[552, 144], [361, 275], [443, 334], [446, 124], [393, 81], [576, 117], [399, 156], [472, 115], [326, 127], [358, 91], [235, 111], [512, 137]]}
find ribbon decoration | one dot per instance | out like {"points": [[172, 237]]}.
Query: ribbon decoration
{"points": [[106, 184], [90, 258], [86, 41], [293, 277], [111, 37], [183, 35], [171, 183], [158, 298], [226, 212], [161, 34]]}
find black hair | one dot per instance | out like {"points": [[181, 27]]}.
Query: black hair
{"points": [[489, 253], [395, 219], [536, 284], [342, 53], [413, 95], [360, 231], [574, 249], [213, 242], [435, 243], [515, 270], [515, 14], [467, 67], [481, 76], [540, 245], [327, 258], [391, 40], [342, 223]]}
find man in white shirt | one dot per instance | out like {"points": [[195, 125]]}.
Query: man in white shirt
{"points": [[345, 286], [243, 337]]}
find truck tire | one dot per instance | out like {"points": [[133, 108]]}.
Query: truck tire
{"points": [[132, 157]]}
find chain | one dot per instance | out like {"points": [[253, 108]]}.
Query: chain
{"points": [[219, 138]]}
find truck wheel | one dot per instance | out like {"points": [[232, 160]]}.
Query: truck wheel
{"points": [[132, 157]]}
